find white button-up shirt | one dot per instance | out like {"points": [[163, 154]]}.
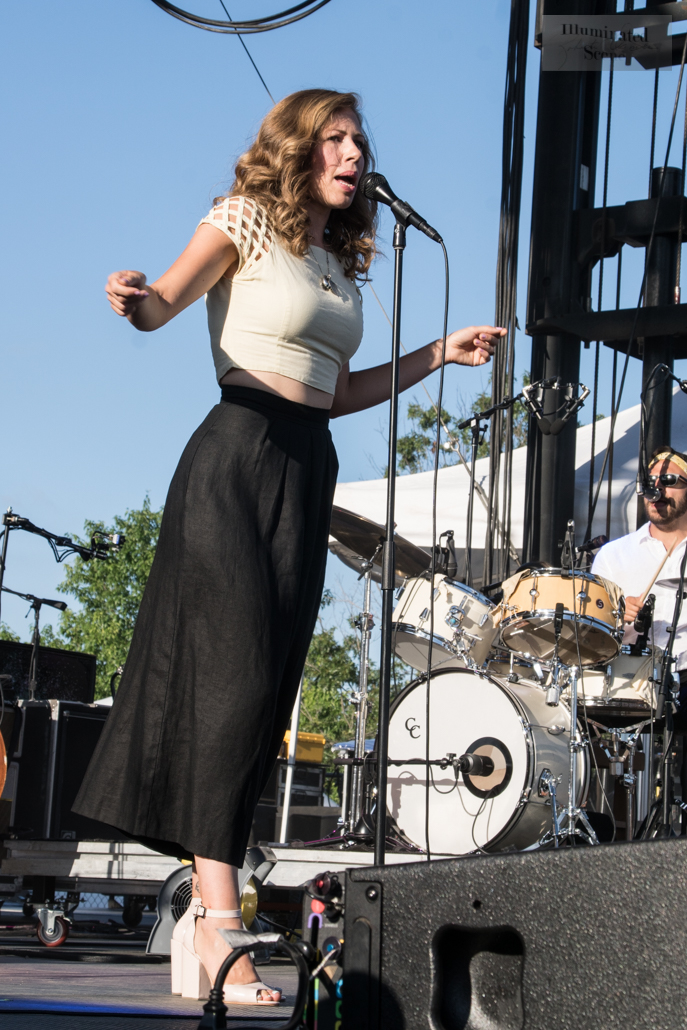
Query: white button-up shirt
{"points": [[631, 562]]}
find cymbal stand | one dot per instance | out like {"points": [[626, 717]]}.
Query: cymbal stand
{"points": [[365, 623], [478, 428], [566, 821]]}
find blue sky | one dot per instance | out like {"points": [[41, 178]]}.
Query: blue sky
{"points": [[120, 125]]}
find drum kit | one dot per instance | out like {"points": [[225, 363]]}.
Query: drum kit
{"points": [[531, 704]]}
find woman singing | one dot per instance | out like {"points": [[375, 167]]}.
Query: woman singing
{"points": [[231, 603]]}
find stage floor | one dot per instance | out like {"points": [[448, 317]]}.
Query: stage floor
{"points": [[100, 987]]}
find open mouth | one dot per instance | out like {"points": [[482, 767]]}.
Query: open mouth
{"points": [[348, 181]]}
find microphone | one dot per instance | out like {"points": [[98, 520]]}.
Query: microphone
{"points": [[593, 544], [375, 187]]}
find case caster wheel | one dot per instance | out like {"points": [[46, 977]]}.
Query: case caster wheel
{"points": [[58, 935], [132, 913]]}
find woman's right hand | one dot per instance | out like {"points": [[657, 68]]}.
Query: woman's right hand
{"points": [[125, 291]]}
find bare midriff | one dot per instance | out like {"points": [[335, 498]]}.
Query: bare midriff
{"points": [[282, 386]]}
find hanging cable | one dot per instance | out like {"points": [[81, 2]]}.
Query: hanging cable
{"points": [[432, 573], [595, 396], [648, 253], [502, 379], [235, 28], [654, 120], [454, 442], [250, 56], [614, 406], [680, 226]]}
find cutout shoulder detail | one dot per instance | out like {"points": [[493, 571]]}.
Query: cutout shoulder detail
{"points": [[245, 224]]}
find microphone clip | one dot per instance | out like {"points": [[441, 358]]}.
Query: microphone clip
{"points": [[533, 401]]}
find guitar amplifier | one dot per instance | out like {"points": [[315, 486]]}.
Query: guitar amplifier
{"points": [[62, 675], [48, 751]]}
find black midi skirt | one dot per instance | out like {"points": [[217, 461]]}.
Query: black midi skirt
{"points": [[222, 633]]}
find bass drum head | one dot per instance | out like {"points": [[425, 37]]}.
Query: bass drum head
{"points": [[468, 713]]}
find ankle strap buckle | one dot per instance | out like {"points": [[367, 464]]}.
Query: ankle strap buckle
{"points": [[218, 913]]}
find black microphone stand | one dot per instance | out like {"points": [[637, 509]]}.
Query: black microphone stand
{"points": [[660, 824], [36, 604], [388, 562]]}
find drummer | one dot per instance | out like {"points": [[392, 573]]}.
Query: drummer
{"points": [[632, 561]]}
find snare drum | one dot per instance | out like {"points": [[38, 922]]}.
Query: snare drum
{"points": [[592, 617], [621, 693], [463, 627]]}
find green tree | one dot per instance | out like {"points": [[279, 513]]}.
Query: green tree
{"points": [[7, 634], [416, 448], [109, 593]]}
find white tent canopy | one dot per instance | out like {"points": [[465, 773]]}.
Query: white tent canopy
{"points": [[414, 492]]}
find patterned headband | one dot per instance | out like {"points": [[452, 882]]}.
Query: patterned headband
{"points": [[675, 458]]}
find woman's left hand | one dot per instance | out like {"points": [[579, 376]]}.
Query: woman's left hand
{"points": [[473, 345]]}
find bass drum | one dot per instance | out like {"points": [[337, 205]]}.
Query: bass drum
{"points": [[484, 715]]}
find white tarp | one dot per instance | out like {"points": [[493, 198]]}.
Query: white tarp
{"points": [[414, 492]]}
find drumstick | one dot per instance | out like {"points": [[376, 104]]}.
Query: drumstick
{"points": [[657, 573]]}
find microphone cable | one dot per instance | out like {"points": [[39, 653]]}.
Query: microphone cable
{"points": [[433, 563]]}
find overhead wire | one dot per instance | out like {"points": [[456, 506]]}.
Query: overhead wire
{"points": [[250, 56]]}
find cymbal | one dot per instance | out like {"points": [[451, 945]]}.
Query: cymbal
{"points": [[362, 537]]}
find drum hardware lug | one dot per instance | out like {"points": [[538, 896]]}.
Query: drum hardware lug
{"points": [[547, 784], [483, 619], [513, 677], [556, 730], [629, 780], [524, 796], [582, 596], [456, 614], [424, 615], [538, 671], [553, 695]]}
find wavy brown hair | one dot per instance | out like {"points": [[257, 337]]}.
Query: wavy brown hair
{"points": [[276, 172]]}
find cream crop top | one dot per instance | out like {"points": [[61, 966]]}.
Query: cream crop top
{"points": [[273, 315]]}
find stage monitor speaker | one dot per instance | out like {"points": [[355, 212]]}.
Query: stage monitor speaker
{"points": [[51, 746], [62, 675], [551, 940]]}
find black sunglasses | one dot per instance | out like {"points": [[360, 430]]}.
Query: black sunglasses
{"points": [[666, 479]]}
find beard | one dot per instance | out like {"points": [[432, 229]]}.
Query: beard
{"points": [[672, 509]]}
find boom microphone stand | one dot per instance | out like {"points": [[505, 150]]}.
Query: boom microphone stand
{"points": [[388, 563], [36, 603]]}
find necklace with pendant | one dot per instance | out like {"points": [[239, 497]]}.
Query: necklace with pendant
{"points": [[326, 280]]}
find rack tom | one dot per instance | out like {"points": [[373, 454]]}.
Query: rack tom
{"points": [[591, 617], [463, 626]]}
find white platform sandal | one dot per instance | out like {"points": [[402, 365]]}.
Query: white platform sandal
{"points": [[180, 929], [195, 982]]}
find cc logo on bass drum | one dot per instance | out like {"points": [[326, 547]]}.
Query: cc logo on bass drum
{"points": [[413, 728]]}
